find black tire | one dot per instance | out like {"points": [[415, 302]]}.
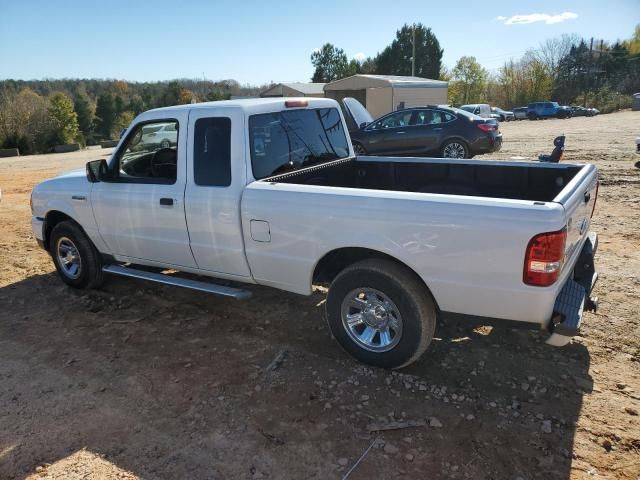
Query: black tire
{"points": [[89, 274], [449, 143], [407, 293]]}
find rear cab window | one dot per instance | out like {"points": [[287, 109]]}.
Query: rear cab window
{"points": [[212, 152], [289, 140]]}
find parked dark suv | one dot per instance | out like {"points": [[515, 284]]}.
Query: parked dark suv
{"points": [[421, 131]]}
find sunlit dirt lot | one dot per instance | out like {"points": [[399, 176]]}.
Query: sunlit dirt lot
{"points": [[139, 380]]}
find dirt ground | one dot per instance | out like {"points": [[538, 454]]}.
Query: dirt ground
{"points": [[145, 381]]}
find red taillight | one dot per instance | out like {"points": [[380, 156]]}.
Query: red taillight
{"points": [[296, 103], [596, 198], [544, 257], [487, 127]]}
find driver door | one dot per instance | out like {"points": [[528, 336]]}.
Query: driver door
{"points": [[140, 208]]}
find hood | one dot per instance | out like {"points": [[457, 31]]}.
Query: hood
{"points": [[78, 172], [356, 113]]}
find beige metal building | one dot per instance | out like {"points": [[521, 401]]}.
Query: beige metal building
{"points": [[295, 90], [382, 94]]}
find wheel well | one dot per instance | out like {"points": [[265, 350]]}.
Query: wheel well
{"points": [[52, 219], [337, 260]]}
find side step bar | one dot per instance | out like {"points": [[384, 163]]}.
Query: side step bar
{"points": [[236, 293]]}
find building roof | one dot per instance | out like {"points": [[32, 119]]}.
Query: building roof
{"points": [[300, 87], [376, 81]]}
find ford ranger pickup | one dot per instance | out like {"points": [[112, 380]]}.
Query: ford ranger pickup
{"points": [[269, 192]]}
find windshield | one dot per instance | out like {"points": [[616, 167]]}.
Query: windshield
{"points": [[289, 140]]}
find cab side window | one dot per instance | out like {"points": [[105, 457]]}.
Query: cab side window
{"points": [[427, 117], [395, 120], [432, 117], [149, 154], [212, 152]]}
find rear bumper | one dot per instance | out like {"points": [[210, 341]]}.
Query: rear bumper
{"points": [[575, 296], [488, 144]]}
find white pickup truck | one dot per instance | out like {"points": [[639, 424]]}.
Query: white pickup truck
{"points": [[269, 192]]}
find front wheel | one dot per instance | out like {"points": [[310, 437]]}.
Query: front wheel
{"points": [[454, 149], [77, 261], [381, 313]]}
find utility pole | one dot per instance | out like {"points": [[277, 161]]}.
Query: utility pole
{"points": [[588, 73], [413, 53]]}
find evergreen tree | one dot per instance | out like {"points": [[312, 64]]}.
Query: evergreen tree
{"points": [[85, 113], [396, 58], [330, 63], [105, 114]]}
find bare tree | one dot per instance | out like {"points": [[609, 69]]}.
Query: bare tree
{"points": [[552, 50]]}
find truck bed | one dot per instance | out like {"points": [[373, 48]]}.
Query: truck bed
{"points": [[480, 178]]}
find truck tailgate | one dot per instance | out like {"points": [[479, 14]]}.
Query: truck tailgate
{"points": [[578, 199]]}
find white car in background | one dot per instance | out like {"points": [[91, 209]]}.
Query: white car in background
{"points": [[163, 135], [481, 109]]}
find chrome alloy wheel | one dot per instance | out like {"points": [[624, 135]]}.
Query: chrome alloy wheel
{"points": [[68, 258], [454, 150], [371, 319]]}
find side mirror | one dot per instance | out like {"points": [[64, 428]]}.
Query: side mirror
{"points": [[363, 125], [97, 170]]}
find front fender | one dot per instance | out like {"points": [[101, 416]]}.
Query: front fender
{"points": [[69, 196]]}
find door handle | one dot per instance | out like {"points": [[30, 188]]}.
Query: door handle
{"points": [[437, 129], [400, 133], [166, 201]]}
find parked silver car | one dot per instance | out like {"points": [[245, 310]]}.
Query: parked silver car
{"points": [[520, 113]]}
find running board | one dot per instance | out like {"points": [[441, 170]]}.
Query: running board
{"points": [[236, 293]]}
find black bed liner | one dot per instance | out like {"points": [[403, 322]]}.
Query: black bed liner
{"points": [[509, 180]]}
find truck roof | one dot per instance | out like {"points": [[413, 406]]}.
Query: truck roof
{"points": [[252, 105]]}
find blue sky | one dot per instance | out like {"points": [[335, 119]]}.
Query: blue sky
{"points": [[257, 42]]}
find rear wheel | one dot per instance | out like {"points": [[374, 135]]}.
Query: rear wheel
{"points": [[454, 149], [381, 313], [77, 261]]}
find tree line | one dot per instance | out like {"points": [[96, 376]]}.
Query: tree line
{"points": [[39, 114], [567, 69], [36, 115]]}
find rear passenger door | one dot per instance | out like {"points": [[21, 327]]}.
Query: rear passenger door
{"points": [[429, 127], [216, 176]]}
